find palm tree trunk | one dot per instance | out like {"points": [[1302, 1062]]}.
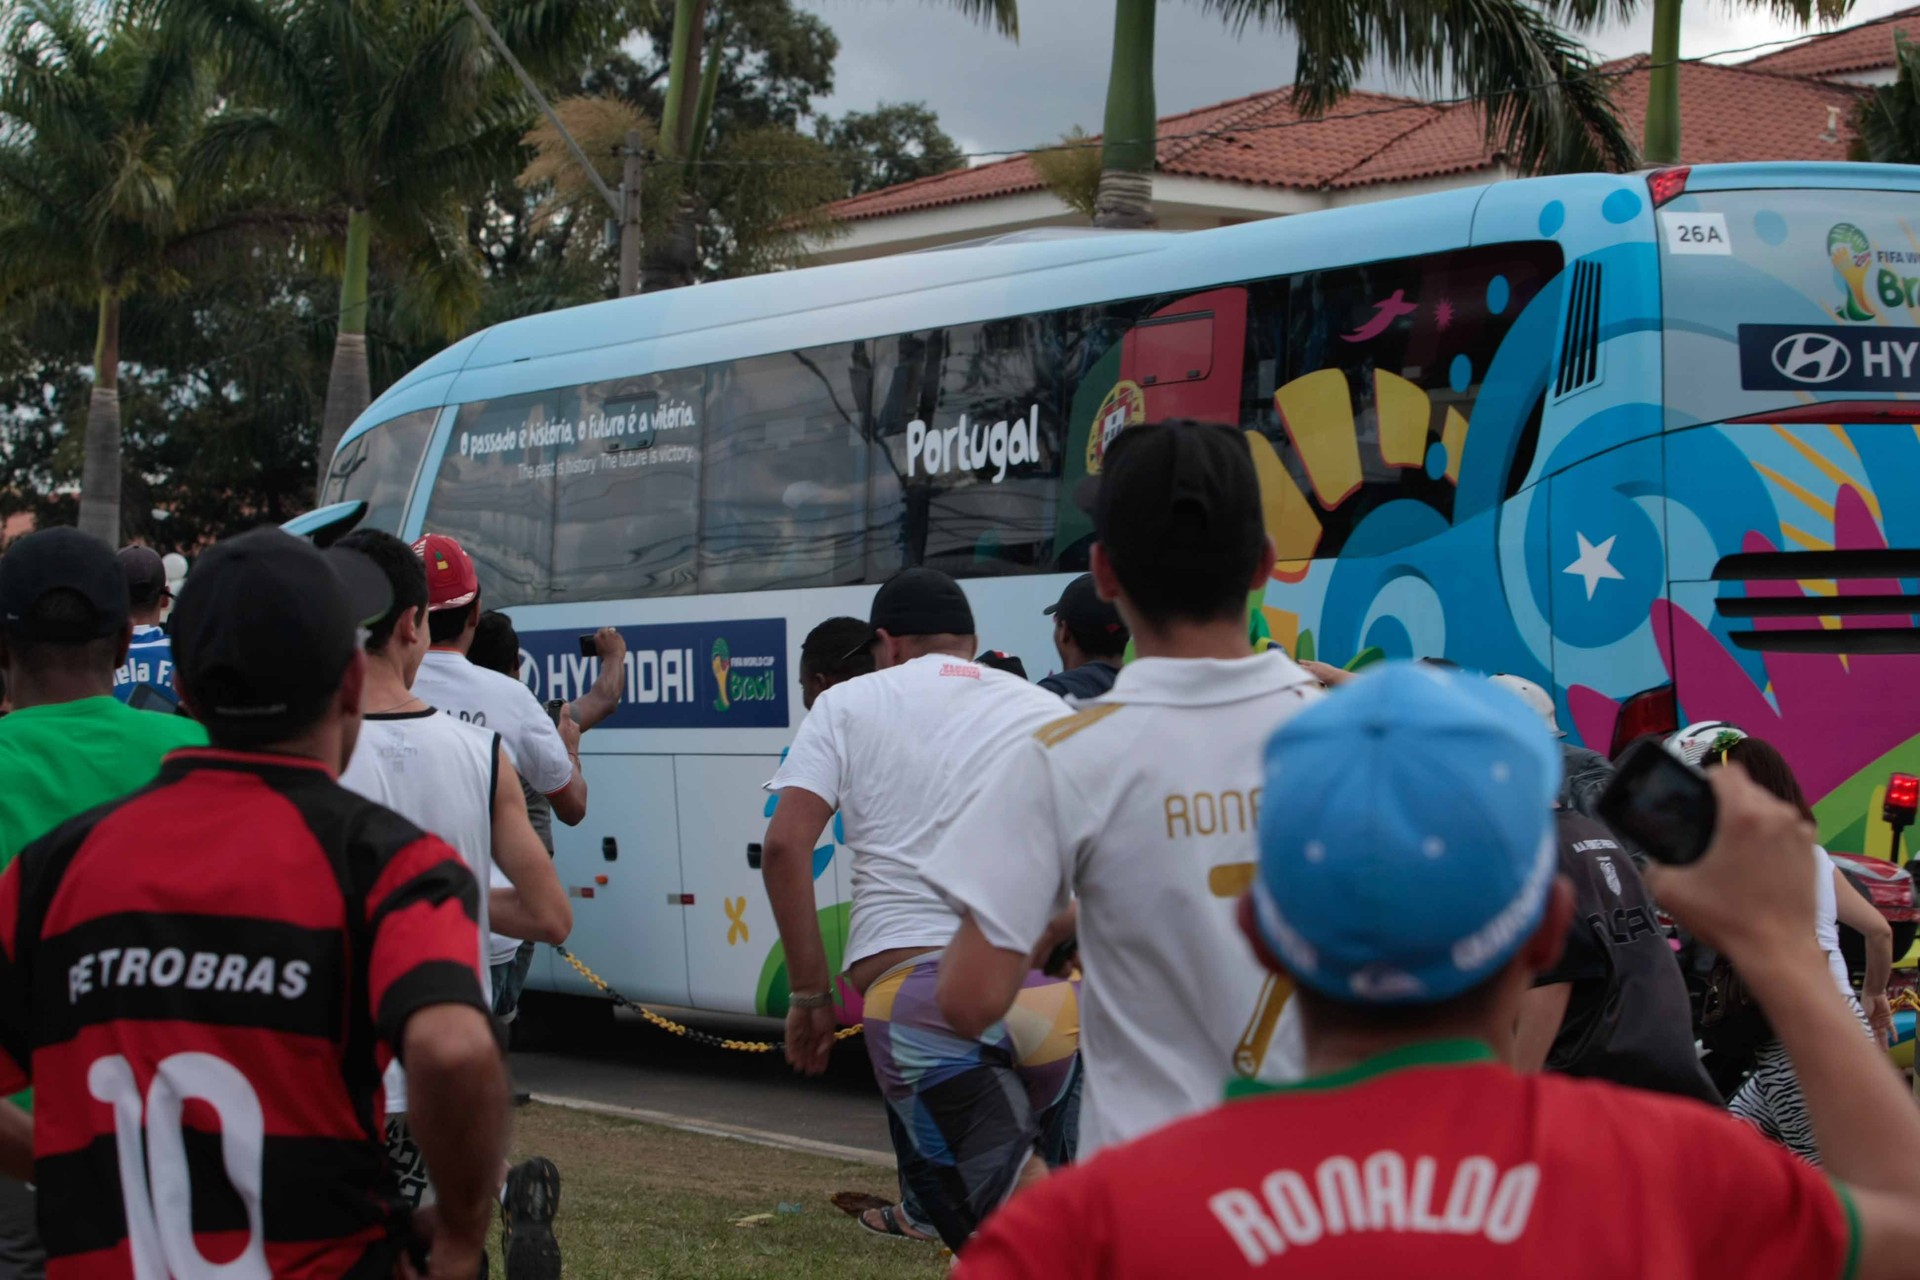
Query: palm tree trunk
{"points": [[100, 466], [1662, 145], [672, 259], [349, 385], [1127, 150]]}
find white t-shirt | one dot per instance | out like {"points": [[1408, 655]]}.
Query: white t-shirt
{"points": [[498, 702], [1146, 805], [437, 773], [897, 752], [1826, 918]]}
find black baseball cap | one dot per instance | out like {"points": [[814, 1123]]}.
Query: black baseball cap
{"points": [[1172, 492], [1082, 609], [921, 602], [146, 574], [264, 629], [50, 560]]}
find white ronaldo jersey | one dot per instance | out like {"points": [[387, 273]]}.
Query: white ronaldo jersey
{"points": [[1146, 805]]}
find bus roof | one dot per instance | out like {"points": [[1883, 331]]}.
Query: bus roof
{"points": [[983, 280]]}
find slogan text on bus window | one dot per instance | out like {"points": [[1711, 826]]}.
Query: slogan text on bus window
{"points": [[632, 435], [973, 446]]}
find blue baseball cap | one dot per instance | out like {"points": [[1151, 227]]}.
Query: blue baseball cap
{"points": [[1406, 836]]}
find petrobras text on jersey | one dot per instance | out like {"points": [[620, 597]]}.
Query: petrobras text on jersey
{"points": [[680, 675], [973, 446]]}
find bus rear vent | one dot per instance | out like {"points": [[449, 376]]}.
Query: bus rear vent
{"points": [[1580, 345], [1839, 567]]}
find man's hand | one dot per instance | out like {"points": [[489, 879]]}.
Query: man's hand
{"points": [[1751, 894], [449, 1257], [1326, 673], [569, 730], [1062, 927], [1880, 1018], [612, 648], [810, 1038]]}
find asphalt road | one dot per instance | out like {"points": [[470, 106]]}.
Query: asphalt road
{"points": [[632, 1065]]}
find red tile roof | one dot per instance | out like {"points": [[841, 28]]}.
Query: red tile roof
{"points": [[1729, 114], [1257, 140], [1857, 48]]}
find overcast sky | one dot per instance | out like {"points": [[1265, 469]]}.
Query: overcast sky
{"points": [[992, 94]]}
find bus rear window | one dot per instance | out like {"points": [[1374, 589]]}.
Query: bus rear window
{"points": [[1777, 298], [378, 467]]}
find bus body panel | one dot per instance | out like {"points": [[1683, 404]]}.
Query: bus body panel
{"points": [[1525, 465]]}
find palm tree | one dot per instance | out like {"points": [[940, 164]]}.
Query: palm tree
{"points": [[673, 259], [1662, 138], [1543, 107], [397, 110], [93, 126], [1886, 124]]}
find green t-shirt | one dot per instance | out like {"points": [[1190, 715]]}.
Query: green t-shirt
{"points": [[64, 758]]}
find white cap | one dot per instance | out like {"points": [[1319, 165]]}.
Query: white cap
{"points": [[1535, 697], [1702, 738]]}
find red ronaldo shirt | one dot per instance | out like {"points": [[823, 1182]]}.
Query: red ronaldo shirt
{"points": [[1431, 1161], [204, 981]]}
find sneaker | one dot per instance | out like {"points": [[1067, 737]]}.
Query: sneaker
{"points": [[526, 1218]]}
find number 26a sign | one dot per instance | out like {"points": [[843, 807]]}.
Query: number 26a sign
{"points": [[1696, 232]]}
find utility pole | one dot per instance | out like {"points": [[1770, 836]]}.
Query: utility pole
{"points": [[630, 215]]}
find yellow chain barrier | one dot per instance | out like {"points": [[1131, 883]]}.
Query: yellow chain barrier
{"points": [[679, 1029]]}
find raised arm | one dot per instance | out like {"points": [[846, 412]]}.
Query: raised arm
{"points": [[536, 907], [1750, 896], [598, 702]]}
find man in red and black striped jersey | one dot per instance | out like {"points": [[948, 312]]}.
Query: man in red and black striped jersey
{"points": [[205, 980]]}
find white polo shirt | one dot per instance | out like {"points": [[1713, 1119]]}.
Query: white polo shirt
{"points": [[1145, 803], [897, 752]]}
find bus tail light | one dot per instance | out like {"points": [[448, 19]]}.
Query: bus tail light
{"points": [[1649, 711], [1903, 799], [1664, 184]]}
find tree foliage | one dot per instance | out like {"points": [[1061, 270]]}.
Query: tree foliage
{"points": [[1886, 123], [895, 142], [1071, 170]]}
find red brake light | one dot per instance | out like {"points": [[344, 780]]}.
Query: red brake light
{"points": [[1903, 799], [1649, 711], [1664, 184]]}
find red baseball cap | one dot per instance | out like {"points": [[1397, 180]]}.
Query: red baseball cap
{"points": [[451, 581]]}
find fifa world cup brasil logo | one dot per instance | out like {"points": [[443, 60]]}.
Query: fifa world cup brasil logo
{"points": [[1851, 254], [722, 661]]}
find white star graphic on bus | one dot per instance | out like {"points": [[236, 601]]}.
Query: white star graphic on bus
{"points": [[1594, 564]]}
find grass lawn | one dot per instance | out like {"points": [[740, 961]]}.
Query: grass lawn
{"points": [[638, 1200]]}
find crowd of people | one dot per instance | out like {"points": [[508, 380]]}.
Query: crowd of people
{"points": [[1379, 911], [266, 909], [1186, 960]]}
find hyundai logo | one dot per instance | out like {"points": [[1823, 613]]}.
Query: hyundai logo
{"points": [[1811, 357]]}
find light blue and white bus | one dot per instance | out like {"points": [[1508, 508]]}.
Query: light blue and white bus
{"points": [[1649, 440]]}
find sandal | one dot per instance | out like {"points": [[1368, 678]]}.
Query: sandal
{"points": [[890, 1224]]}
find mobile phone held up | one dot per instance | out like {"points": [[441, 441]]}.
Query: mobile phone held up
{"points": [[1661, 804], [554, 707], [588, 647]]}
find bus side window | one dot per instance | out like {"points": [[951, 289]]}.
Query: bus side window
{"points": [[494, 492], [784, 491], [969, 436], [377, 467], [627, 488]]}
